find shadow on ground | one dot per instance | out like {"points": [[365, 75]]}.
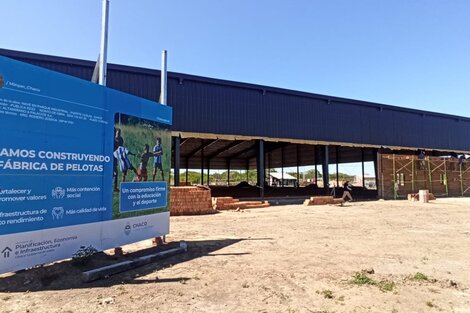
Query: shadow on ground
{"points": [[67, 274]]}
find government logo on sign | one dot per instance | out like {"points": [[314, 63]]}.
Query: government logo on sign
{"points": [[6, 252], [127, 229]]}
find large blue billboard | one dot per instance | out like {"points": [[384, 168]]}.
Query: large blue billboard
{"points": [[76, 153]]}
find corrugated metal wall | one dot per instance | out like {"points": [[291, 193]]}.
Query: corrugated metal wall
{"points": [[205, 105]]}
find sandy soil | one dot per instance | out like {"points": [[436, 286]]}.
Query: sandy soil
{"points": [[280, 259]]}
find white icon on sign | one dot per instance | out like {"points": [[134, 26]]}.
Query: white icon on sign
{"points": [[58, 193], [57, 213]]}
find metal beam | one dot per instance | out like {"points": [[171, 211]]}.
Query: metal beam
{"points": [[271, 146], [183, 141], [233, 156], [234, 146], [211, 143], [226, 148], [204, 144]]}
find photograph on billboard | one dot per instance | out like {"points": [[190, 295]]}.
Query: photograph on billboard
{"points": [[140, 156], [80, 165]]}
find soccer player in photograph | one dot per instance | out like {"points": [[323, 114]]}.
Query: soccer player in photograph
{"points": [[118, 142], [157, 157], [121, 154], [144, 160]]}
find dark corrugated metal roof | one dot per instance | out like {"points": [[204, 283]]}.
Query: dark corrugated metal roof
{"points": [[207, 105]]}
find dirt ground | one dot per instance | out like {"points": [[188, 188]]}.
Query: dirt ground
{"points": [[280, 259]]}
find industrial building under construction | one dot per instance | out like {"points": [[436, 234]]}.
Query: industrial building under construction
{"points": [[226, 125]]}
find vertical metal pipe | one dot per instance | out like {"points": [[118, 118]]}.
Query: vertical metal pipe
{"points": [[187, 169], [412, 174], [104, 43], [394, 179], [269, 167], [228, 172], [260, 167], [325, 170], [202, 162], [461, 179], [315, 155], [446, 182], [247, 168], [337, 165], [282, 167], [177, 165], [264, 168], [208, 171], [297, 155], [377, 172], [363, 174], [163, 79]]}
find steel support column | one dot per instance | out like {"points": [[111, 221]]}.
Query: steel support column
{"points": [[176, 179], [337, 165], [282, 167], [326, 174], [363, 176], [187, 169], [260, 166], [377, 172], [269, 167], [297, 155], [315, 155], [202, 162], [208, 171], [247, 169]]}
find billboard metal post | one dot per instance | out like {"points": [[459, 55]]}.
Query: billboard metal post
{"points": [[104, 43], [163, 91], [163, 100]]}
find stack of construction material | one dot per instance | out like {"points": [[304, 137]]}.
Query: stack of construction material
{"points": [[323, 200], [415, 197], [229, 203], [190, 200]]}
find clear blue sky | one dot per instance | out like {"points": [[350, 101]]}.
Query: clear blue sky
{"points": [[411, 53]]}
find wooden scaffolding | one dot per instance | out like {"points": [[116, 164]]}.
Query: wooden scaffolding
{"points": [[400, 175]]}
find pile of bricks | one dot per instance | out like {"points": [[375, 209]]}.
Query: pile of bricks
{"points": [[187, 183], [323, 200], [190, 200], [229, 203], [415, 196]]}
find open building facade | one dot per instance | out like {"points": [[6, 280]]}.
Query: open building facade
{"points": [[226, 125]]}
